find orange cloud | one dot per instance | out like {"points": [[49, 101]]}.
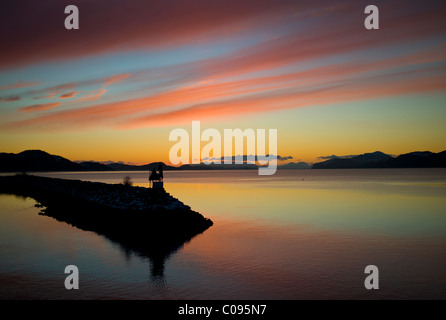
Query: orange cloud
{"points": [[68, 95], [115, 78], [319, 86], [39, 107], [311, 97]]}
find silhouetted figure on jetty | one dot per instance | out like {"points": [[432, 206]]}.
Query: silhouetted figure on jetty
{"points": [[156, 178]]}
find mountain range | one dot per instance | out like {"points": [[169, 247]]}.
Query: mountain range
{"points": [[37, 160], [377, 159]]}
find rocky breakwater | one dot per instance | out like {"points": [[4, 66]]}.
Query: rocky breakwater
{"points": [[149, 222]]}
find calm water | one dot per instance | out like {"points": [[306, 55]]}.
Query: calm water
{"points": [[300, 234]]}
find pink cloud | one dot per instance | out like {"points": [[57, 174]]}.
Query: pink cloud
{"points": [[138, 25]]}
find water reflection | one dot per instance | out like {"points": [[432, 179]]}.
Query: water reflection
{"points": [[290, 239], [151, 242]]}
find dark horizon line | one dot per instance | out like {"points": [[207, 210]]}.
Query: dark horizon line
{"points": [[38, 160]]}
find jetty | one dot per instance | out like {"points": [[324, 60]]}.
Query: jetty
{"points": [[149, 222]]}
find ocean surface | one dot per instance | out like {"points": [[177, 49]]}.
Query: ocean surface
{"points": [[299, 234]]}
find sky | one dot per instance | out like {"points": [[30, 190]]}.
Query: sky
{"points": [[135, 70]]}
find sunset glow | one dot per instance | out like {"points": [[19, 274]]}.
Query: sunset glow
{"points": [[115, 88]]}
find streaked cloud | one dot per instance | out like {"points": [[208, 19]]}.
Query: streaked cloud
{"points": [[128, 25], [19, 85], [303, 55], [39, 107], [115, 78], [331, 84], [93, 95], [51, 92], [10, 98]]}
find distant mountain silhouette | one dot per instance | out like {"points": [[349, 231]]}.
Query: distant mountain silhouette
{"points": [[295, 165], [379, 159], [365, 160], [222, 166], [37, 160], [117, 166], [93, 166], [424, 159]]}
